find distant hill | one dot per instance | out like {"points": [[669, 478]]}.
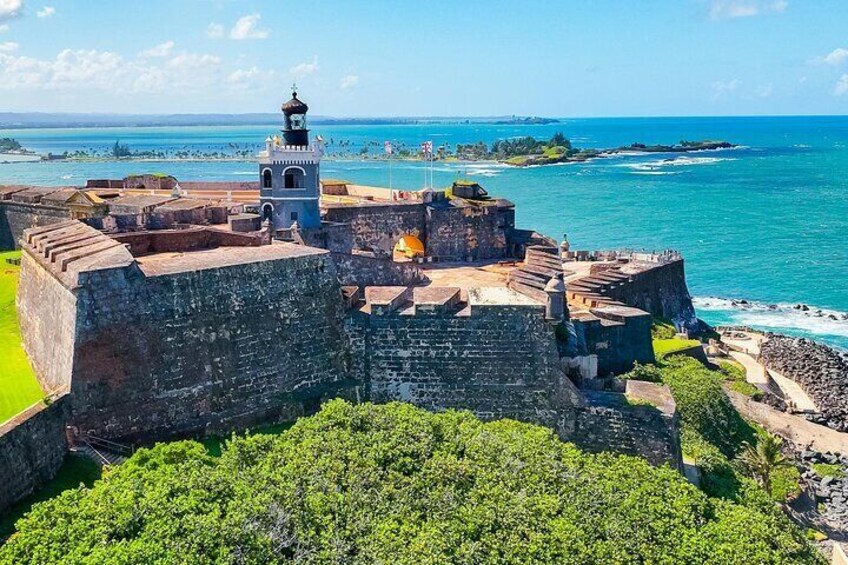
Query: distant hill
{"points": [[14, 120]]}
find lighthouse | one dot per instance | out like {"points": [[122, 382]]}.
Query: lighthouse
{"points": [[289, 176]]}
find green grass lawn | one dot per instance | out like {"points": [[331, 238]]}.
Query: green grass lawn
{"points": [[18, 385], [663, 347]]}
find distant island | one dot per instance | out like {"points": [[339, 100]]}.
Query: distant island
{"points": [[33, 120], [518, 152], [527, 151]]}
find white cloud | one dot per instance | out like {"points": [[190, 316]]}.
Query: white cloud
{"points": [[765, 91], [841, 86], [161, 50], [304, 69], [91, 70], [243, 75], [46, 12], [245, 28], [728, 9], [349, 81], [192, 61], [8, 46], [720, 88], [215, 31], [835, 57], [3, 28], [10, 8]]}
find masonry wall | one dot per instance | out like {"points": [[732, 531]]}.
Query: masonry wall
{"points": [[361, 270], [617, 345], [662, 291], [472, 232], [32, 448], [208, 350], [609, 423], [47, 315], [15, 217], [380, 226], [501, 361]]}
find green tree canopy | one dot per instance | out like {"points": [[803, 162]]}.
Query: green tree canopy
{"points": [[394, 484]]}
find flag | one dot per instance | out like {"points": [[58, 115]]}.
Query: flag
{"points": [[388, 147], [427, 147]]}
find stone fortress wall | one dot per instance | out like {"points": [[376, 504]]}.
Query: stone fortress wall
{"points": [[32, 448], [207, 342], [489, 350], [655, 283], [15, 217], [193, 336]]}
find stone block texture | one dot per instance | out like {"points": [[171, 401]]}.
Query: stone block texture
{"points": [[497, 361], [32, 448]]}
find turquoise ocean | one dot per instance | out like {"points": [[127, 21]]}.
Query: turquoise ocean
{"points": [[766, 222]]}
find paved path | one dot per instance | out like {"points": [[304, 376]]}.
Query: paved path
{"points": [[754, 372], [750, 343], [793, 391], [795, 428]]}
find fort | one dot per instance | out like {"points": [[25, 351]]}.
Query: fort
{"points": [[152, 308]]}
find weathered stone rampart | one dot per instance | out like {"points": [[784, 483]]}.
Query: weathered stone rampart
{"points": [[210, 346], [474, 231], [494, 354], [618, 335], [455, 229], [379, 226], [643, 421], [47, 314], [658, 287], [182, 343], [32, 448], [15, 217], [360, 269]]}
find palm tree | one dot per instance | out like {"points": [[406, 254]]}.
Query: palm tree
{"points": [[764, 459]]}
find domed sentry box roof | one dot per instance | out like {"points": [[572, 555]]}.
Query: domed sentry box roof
{"points": [[294, 106]]}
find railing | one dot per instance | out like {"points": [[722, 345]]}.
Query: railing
{"points": [[108, 445]]}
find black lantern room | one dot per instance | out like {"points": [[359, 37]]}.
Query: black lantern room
{"points": [[294, 115]]}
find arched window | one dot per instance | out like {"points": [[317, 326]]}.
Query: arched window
{"points": [[267, 212], [293, 177], [266, 178]]}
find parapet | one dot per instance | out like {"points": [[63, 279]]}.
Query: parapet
{"points": [[67, 249], [438, 300]]}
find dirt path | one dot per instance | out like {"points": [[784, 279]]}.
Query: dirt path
{"points": [[795, 428]]}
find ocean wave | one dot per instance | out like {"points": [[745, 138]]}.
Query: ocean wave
{"points": [[675, 162], [654, 173], [781, 316], [479, 172]]}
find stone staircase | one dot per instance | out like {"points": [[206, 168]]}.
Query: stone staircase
{"points": [[541, 264], [102, 451], [593, 291]]}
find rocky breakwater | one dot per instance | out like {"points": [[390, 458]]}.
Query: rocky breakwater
{"points": [[826, 479], [821, 370]]}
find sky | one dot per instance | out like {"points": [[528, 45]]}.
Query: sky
{"points": [[364, 58]]}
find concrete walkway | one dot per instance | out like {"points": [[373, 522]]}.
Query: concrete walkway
{"points": [[795, 428], [793, 391], [754, 372]]}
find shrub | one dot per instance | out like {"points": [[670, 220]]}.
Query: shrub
{"points": [[703, 405], [395, 484]]}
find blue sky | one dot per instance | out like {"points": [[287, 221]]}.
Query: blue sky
{"points": [[402, 58]]}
